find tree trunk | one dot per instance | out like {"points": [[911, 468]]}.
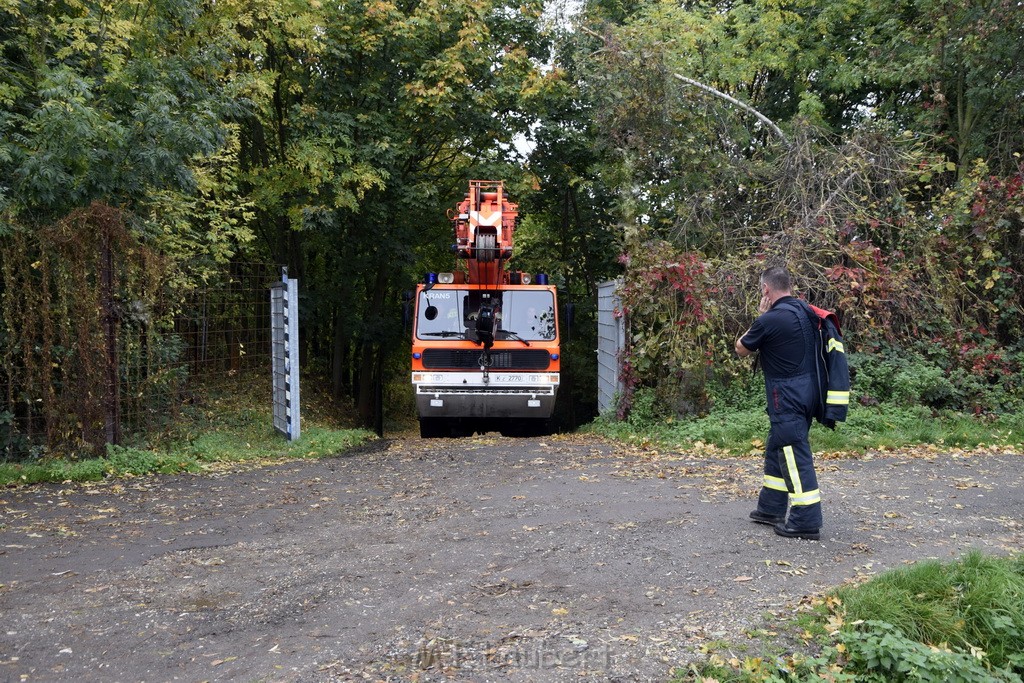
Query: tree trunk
{"points": [[370, 347], [339, 357]]}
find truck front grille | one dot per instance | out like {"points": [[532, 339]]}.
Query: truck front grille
{"points": [[469, 359], [485, 391]]}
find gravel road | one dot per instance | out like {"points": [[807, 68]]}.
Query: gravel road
{"points": [[566, 558]]}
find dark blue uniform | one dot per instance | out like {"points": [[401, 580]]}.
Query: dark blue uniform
{"points": [[786, 341]]}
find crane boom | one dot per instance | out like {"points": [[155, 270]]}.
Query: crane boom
{"points": [[485, 223]]}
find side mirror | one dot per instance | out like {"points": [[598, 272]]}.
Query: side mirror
{"points": [[570, 315]]}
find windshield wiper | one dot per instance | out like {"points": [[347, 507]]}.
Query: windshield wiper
{"points": [[509, 334], [446, 333]]}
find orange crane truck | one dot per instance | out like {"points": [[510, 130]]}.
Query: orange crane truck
{"points": [[485, 343]]}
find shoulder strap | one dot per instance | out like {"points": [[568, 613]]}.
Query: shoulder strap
{"points": [[811, 334], [801, 306]]}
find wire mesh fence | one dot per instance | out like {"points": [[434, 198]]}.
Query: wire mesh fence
{"points": [[219, 339], [102, 344]]}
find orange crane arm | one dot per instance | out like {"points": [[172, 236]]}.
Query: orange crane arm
{"points": [[485, 225]]}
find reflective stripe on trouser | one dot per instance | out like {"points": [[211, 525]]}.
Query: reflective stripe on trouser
{"points": [[789, 478]]}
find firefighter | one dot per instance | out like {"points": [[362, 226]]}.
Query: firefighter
{"points": [[784, 337]]}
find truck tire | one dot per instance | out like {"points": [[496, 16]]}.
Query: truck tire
{"points": [[433, 427], [525, 427]]}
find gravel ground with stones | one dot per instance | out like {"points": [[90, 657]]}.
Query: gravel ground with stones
{"points": [[566, 558]]}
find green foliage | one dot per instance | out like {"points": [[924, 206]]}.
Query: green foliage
{"points": [[675, 327], [872, 194], [886, 655], [977, 376], [767, 669], [231, 436], [132, 461], [645, 411], [742, 430], [253, 442], [368, 119], [961, 622], [974, 605], [333, 137], [105, 103], [902, 377]]}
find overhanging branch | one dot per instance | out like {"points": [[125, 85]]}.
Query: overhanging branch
{"points": [[732, 100], [707, 88]]}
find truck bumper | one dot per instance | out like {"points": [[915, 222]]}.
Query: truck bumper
{"points": [[503, 394]]}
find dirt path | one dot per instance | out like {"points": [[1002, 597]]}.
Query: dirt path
{"points": [[481, 559]]}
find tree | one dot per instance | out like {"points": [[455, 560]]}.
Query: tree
{"points": [[104, 102], [570, 228], [375, 135], [952, 71], [113, 115]]}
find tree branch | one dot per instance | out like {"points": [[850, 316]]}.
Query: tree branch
{"points": [[732, 100], [707, 88]]}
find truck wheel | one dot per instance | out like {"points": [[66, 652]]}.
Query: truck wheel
{"points": [[433, 427], [531, 426], [537, 426]]}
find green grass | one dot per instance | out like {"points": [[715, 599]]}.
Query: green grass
{"points": [[229, 427], [879, 427], [945, 622], [195, 455], [977, 603]]}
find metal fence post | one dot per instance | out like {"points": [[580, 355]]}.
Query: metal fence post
{"points": [[610, 342], [284, 315]]}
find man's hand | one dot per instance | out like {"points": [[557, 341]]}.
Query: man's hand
{"points": [[766, 303]]}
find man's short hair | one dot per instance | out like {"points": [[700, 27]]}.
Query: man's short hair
{"points": [[777, 279]]}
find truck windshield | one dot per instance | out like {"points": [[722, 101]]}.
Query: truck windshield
{"points": [[524, 314]]}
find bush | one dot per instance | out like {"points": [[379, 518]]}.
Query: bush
{"points": [[646, 410], [977, 376], [961, 622], [922, 383], [131, 461], [737, 389], [901, 377]]}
